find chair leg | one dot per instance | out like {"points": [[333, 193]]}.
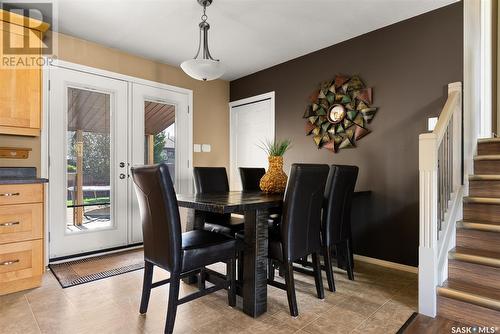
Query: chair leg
{"points": [[270, 269], [317, 276], [327, 256], [231, 277], [202, 279], [350, 265], [290, 289], [241, 255], [173, 298], [146, 286]]}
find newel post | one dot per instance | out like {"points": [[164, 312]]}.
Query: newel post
{"points": [[428, 250]]}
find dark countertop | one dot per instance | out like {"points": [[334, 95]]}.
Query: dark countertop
{"points": [[22, 180], [20, 175]]}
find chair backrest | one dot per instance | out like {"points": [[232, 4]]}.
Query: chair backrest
{"points": [[338, 201], [250, 178], [161, 223], [301, 224], [212, 180]]}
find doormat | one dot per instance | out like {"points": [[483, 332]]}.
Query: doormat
{"points": [[91, 269]]}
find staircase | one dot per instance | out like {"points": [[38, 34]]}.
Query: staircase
{"points": [[471, 295]]}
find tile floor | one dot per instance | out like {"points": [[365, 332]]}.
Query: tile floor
{"points": [[378, 301]]}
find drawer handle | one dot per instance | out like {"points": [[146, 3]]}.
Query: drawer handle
{"points": [[8, 262], [9, 194], [9, 224]]}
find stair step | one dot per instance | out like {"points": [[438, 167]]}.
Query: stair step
{"points": [[484, 186], [489, 140], [487, 227], [477, 239], [482, 257], [481, 212], [482, 200], [487, 146], [471, 303], [484, 177], [471, 293], [487, 164]]}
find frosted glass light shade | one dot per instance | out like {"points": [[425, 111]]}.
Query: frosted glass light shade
{"points": [[203, 69]]}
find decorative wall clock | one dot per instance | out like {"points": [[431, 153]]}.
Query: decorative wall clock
{"points": [[339, 112]]}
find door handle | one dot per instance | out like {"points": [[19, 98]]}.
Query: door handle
{"points": [[122, 176]]}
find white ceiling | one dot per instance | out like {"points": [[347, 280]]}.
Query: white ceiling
{"points": [[246, 35]]}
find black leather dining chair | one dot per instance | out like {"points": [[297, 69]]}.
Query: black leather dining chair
{"points": [[336, 224], [250, 178], [298, 235], [181, 254], [214, 180]]}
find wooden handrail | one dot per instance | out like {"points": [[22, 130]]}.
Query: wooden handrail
{"points": [[446, 115]]}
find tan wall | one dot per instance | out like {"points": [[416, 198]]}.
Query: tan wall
{"points": [[210, 99]]}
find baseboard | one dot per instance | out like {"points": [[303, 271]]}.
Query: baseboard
{"points": [[387, 264]]}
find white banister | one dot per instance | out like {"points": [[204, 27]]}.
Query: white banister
{"points": [[440, 174]]}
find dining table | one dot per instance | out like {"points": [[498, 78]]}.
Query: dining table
{"points": [[255, 208]]}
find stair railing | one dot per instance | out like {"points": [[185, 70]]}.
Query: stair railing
{"points": [[441, 193]]}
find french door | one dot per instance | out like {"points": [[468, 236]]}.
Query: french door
{"points": [[161, 131], [88, 160], [99, 127]]}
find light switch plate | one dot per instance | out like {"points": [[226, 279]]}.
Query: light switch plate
{"points": [[431, 123], [196, 148], [206, 148]]}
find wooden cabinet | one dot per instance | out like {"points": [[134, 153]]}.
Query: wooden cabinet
{"points": [[20, 81], [21, 237]]}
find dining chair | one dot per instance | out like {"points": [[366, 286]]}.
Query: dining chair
{"points": [[214, 180], [250, 178], [298, 234], [181, 254], [336, 224]]}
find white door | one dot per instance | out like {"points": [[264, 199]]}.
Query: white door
{"points": [[161, 131], [252, 123], [87, 162]]}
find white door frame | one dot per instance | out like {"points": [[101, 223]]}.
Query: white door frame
{"points": [[253, 99], [44, 140]]}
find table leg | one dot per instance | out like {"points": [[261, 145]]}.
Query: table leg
{"points": [[255, 264], [195, 221]]}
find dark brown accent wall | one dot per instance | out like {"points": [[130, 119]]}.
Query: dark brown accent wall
{"points": [[409, 65]]}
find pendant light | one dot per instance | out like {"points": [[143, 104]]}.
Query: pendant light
{"points": [[203, 66]]}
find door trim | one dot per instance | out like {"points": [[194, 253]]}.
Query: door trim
{"points": [[249, 100], [44, 134]]}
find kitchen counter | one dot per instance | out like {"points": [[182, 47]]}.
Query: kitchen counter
{"points": [[20, 175]]}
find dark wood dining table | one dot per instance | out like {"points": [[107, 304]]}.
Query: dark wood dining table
{"points": [[254, 206]]}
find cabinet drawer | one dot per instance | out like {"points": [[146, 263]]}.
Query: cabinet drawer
{"points": [[21, 222], [21, 260], [21, 193]]}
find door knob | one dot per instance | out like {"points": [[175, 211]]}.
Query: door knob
{"points": [[122, 176], [122, 164]]}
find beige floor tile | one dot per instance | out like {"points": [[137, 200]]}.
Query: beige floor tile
{"points": [[378, 301]]}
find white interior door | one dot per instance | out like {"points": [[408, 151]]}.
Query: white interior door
{"points": [[161, 131], [87, 158], [252, 123]]}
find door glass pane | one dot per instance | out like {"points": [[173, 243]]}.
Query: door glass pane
{"points": [[159, 142], [88, 160]]}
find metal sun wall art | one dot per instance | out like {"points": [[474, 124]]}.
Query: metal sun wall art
{"points": [[339, 112]]}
